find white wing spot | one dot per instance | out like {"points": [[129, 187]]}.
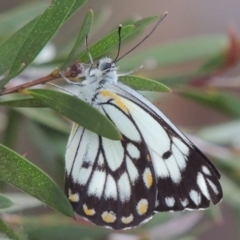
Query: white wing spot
{"points": [[181, 146], [213, 186], [85, 153], [127, 220], [202, 185], [100, 160], [179, 157], [206, 170], [96, 184], [114, 153], [132, 170], [133, 151], [124, 187], [195, 196], [184, 202], [173, 169], [142, 206], [159, 166], [110, 188], [170, 201], [72, 147], [84, 175]]}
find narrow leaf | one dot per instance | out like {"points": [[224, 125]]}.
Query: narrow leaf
{"points": [[214, 63], [23, 102], [53, 121], [35, 35], [224, 102], [177, 52], [143, 84], [10, 48], [5, 202], [19, 172], [9, 231], [63, 232], [77, 110], [139, 26], [73, 56], [22, 15]]}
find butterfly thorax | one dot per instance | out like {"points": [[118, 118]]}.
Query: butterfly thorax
{"points": [[96, 76]]}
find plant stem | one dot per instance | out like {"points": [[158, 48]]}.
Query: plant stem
{"points": [[52, 76]]}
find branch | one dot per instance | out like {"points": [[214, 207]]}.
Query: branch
{"points": [[73, 71]]}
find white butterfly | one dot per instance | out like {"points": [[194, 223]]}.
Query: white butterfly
{"points": [[154, 168]]}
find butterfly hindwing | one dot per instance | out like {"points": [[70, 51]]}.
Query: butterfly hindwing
{"points": [[114, 185]]}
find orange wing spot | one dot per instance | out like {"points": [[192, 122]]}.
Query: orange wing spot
{"points": [[108, 217], [148, 178], [117, 99], [73, 197], [148, 158], [142, 206], [127, 220], [88, 211]]}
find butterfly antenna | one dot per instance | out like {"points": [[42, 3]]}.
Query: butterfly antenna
{"points": [[119, 41], [88, 52], [158, 22]]}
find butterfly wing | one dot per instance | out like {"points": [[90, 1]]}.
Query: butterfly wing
{"points": [[104, 180], [186, 179], [120, 184]]}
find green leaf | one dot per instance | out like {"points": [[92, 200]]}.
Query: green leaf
{"points": [[36, 34], [12, 20], [231, 191], [78, 111], [39, 115], [178, 52], [105, 44], [5, 202], [23, 102], [224, 102], [143, 84], [139, 26], [73, 56], [12, 128], [10, 48], [213, 63], [9, 231], [21, 173], [63, 232]]}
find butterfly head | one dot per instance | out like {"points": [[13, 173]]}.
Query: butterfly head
{"points": [[105, 70]]}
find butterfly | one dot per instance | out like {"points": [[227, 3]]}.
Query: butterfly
{"points": [[153, 168]]}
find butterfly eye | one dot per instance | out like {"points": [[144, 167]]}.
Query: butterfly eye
{"points": [[105, 66]]}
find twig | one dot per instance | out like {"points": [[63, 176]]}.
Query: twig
{"points": [[73, 71]]}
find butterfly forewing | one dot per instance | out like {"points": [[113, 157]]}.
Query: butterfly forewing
{"points": [[186, 179], [154, 167]]}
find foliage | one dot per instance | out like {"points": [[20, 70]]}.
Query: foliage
{"points": [[26, 113]]}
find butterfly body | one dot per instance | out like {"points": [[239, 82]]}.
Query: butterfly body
{"points": [[153, 168]]}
